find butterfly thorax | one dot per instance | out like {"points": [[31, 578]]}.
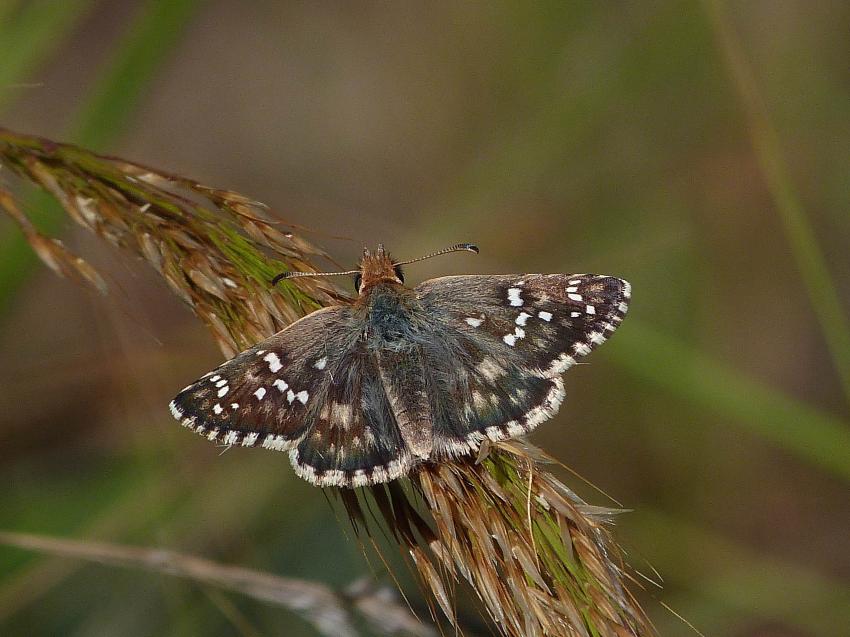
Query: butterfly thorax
{"points": [[391, 311]]}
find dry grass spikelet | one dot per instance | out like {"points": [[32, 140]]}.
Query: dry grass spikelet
{"points": [[216, 249], [540, 560]]}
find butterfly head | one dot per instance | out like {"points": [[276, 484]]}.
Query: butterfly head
{"points": [[377, 267]]}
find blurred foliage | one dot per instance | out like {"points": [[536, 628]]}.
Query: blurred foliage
{"points": [[560, 137]]}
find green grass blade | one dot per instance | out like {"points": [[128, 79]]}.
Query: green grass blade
{"points": [[150, 39], [811, 434], [801, 236], [147, 45], [31, 36]]}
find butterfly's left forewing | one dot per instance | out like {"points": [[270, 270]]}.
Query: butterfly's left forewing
{"points": [[311, 390], [506, 339], [266, 395]]}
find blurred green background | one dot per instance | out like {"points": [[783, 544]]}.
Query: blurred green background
{"points": [[700, 150]]}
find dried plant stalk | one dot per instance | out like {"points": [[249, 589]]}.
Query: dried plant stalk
{"points": [[540, 560], [329, 611]]}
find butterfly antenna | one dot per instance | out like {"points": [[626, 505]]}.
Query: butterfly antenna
{"points": [[294, 275], [458, 247]]}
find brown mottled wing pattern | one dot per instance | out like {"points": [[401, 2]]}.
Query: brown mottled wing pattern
{"points": [[354, 439], [359, 394], [506, 340], [310, 390]]}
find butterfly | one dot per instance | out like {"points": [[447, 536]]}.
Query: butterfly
{"points": [[364, 393]]}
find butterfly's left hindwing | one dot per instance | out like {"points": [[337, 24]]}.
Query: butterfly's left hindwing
{"points": [[504, 342]]}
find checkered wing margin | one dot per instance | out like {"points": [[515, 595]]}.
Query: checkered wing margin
{"points": [[495, 373], [308, 390]]}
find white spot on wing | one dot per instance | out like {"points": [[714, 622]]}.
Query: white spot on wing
{"points": [[514, 297], [474, 322], [546, 316], [591, 309], [281, 385], [359, 479], [510, 339], [221, 383], [342, 413], [581, 349], [572, 288], [214, 378], [278, 443], [490, 369], [217, 409], [560, 365], [320, 364], [478, 400], [260, 393], [575, 314], [273, 361], [234, 405], [514, 428], [522, 318], [223, 391], [290, 396], [574, 297], [302, 396], [250, 439]]}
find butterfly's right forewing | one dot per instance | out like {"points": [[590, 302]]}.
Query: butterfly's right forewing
{"points": [[505, 341]]}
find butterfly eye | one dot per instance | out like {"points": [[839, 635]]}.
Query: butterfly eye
{"points": [[399, 273], [357, 279]]}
